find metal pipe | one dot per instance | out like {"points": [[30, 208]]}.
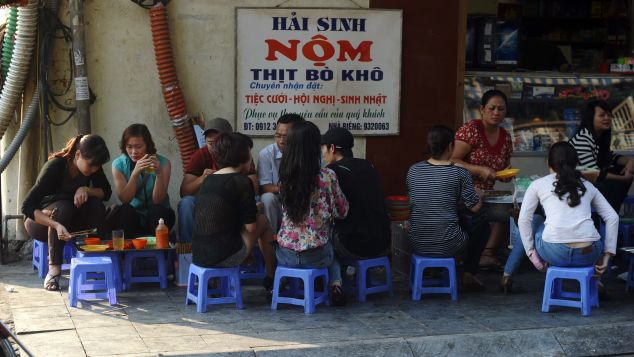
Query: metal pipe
{"points": [[82, 91]]}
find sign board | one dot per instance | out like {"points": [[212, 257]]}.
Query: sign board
{"points": [[334, 67]]}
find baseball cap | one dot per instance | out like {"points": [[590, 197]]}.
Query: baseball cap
{"points": [[341, 138], [218, 125]]}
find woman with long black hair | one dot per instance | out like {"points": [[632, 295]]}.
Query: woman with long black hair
{"points": [[311, 200], [67, 196], [569, 237], [592, 143]]}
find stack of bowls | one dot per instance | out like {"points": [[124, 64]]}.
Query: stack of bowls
{"points": [[398, 207]]}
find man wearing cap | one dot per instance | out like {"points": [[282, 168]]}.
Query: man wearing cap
{"points": [[201, 165], [365, 232], [269, 168]]}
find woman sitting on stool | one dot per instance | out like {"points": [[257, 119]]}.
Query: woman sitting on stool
{"points": [[311, 200], [569, 238], [68, 195], [436, 186], [141, 177], [226, 223]]}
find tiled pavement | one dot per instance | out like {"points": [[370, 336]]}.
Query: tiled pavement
{"points": [[151, 322]]}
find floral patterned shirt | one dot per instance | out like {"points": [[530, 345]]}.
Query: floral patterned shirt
{"points": [[497, 157], [327, 203]]}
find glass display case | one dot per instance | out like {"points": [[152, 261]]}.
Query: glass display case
{"points": [[545, 108]]}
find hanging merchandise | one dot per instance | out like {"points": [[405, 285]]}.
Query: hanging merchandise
{"points": [[172, 93]]}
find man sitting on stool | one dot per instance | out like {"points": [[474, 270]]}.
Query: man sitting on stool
{"points": [[365, 232]]}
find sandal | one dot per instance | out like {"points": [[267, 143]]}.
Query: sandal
{"points": [[490, 262], [51, 282]]}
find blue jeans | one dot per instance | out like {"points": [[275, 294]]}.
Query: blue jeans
{"points": [[561, 255], [518, 254], [323, 257], [186, 218]]}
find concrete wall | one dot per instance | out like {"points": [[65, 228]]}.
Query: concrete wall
{"points": [[123, 75]]}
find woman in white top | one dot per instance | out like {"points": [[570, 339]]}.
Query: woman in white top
{"points": [[570, 237]]}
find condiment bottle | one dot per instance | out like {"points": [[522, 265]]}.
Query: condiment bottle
{"points": [[162, 235]]}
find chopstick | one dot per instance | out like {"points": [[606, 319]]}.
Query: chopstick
{"points": [[81, 233]]}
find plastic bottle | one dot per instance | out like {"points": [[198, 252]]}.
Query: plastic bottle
{"points": [[162, 235]]}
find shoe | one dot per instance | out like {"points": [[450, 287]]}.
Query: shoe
{"points": [[337, 296], [506, 283], [51, 282], [489, 261]]}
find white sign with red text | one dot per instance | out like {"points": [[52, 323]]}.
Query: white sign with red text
{"points": [[334, 67]]}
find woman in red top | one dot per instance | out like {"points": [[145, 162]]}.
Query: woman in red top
{"points": [[483, 148]]}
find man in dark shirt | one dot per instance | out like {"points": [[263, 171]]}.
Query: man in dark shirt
{"points": [[365, 232]]}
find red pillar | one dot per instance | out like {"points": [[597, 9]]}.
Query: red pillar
{"points": [[431, 83]]}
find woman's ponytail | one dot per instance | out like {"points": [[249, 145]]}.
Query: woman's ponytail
{"points": [[68, 152], [563, 159]]}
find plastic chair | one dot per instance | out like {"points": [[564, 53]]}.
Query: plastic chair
{"points": [[446, 285], [230, 290], [77, 289], [554, 295], [39, 259], [307, 298], [255, 270], [363, 285], [129, 276], [116, 266]]}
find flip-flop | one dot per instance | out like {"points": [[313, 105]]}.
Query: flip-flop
{"points": [[51, 282]]}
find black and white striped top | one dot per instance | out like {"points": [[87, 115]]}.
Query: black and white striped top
{"points": [[588, 149], [434, 192]]}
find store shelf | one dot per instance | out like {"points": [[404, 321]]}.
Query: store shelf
{"points": [[575, 89]]}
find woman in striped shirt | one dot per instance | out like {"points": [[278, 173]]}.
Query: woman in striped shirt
{"points": [[436, 189], [592, 143]]}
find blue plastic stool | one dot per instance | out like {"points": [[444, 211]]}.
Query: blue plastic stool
{"points": [[363, 285], [39, 260], [447, 285], [129, 277], [256, 270], [555, 295], [79, 267], [625, 229], [630, 272], [307, 298], [116, 265], [230, 291]]}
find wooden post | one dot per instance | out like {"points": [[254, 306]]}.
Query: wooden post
{"points": [[82, 92]]}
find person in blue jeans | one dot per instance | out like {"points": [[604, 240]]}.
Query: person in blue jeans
{"points": [[201, 165], [311, 200], [517, 255], [569, 238]]}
